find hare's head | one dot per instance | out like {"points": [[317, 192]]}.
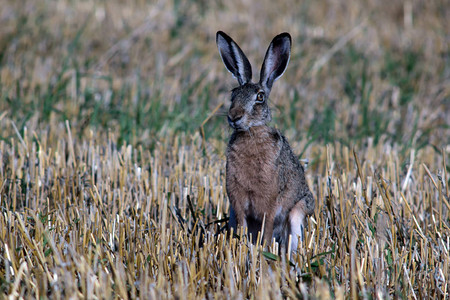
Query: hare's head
{"points": [[249, 100]]}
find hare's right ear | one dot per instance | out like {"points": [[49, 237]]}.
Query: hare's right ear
{"points": [[234, 59]]}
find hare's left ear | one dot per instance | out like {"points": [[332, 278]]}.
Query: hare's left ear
{"points": [[276, 60]]}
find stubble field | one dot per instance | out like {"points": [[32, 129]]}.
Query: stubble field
{"points": [[113, 136]]}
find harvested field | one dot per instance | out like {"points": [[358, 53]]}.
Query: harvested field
{"points": [[113, 136]]}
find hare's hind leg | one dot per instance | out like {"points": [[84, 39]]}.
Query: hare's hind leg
{"points": [[297, 227]]}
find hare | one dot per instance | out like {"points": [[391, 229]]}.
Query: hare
{"points": [[264, 179]]}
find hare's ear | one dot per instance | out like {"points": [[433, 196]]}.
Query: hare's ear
{"points": [[276, 60], [234, 59]]}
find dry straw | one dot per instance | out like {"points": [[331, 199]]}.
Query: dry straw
{"points": [[106, 196], [105, 223]]}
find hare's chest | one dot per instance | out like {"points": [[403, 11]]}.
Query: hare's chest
{"points": [[252, 167]]}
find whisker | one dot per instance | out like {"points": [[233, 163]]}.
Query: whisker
{"points": [[221, 114]]}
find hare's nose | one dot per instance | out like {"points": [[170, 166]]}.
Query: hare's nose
{"points": [[233, 122]]}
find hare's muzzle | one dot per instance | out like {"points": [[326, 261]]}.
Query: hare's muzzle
{"points": [[236, 115], [234, 122]]}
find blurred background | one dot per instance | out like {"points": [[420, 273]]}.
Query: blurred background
{"points": [[361, 72]]}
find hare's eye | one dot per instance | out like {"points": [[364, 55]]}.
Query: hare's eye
{"points": [[260, 97]]}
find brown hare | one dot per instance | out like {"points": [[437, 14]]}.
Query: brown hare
{"points": [[264, 179]]}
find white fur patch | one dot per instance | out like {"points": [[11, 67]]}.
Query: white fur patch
{"points": [[239, 62], [269, 62], [296, 219]]}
